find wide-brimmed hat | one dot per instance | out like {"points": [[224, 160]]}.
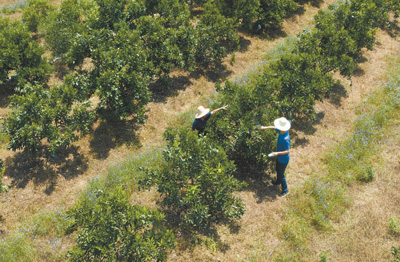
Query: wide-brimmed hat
{"points": [[201, 111], [282, 124]]}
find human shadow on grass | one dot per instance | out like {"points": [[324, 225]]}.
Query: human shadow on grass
{"points": [[112, 134], [259, 182], [44, 169]]}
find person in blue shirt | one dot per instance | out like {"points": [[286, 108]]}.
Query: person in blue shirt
{"points": [[202, 116], [282, 126]]}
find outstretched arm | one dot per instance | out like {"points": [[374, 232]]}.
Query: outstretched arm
{"points": [[281, 153], [267, 127], [221, 108]]}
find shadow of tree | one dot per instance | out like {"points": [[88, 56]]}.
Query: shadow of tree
{"points": [[43, 169], [191, 237], [162, 89], [392, 28], [315, 3], [215, 72], [6, 90], [112, 134], [338, 93]]}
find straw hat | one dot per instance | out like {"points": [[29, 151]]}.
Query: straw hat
{"points": [[202, 111], [282, 124]]}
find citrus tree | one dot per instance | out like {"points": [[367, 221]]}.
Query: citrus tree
{"points": [[111, 229]]}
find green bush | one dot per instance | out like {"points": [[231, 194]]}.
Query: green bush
{"points": [[54, 114], [196, 179], [35, 13], [63, 26], [366, 174], [272, 12], [396, 254], [3, 188], [394, 227], [243, 10], [16, 247], [215, 34], [111, 229], [21, 54]]}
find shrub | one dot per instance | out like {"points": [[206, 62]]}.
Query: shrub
{"points": [[35, 13], [196, 179], [214, 33], [396, 254], [54, 114], [16, 247], [63, 26], [3, 188], [272, 12], [394, 227], [20, 53], [235, 129], [111, 229], [366, 174], [242, 11]]}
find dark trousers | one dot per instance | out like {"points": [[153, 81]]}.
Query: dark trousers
{"points": [[280, 175]]}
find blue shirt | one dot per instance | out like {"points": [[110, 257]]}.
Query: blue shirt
{"points": [[283, 145], [199, 124]]}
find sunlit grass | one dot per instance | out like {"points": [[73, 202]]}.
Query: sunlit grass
{"points": [[39, 239]]}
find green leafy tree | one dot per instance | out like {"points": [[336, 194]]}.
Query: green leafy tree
{"points": [[121, 75], [163, 54], [243, 11], [35, 13], [299, 82], [111, 229], [21, 54], [64, 27], [196, 180], [214, 34], [272, 12], [42, 113]]}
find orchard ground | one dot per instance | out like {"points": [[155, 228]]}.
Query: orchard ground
{"points": [[48, 183]]}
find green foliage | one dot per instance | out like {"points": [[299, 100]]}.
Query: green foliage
{"points": [[48, 223], [35, 13], [396, 254], [111, 229], [3, 188], [196, 179], [272, 12], [54, 114], [366, 174], [320, 201], [120, 76], [16, 247], [63, 27], [298, 82], [214, 34], [241, 10], [164, 54], [235, 129], [324, 256], [21, 54], [394, 227]]}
